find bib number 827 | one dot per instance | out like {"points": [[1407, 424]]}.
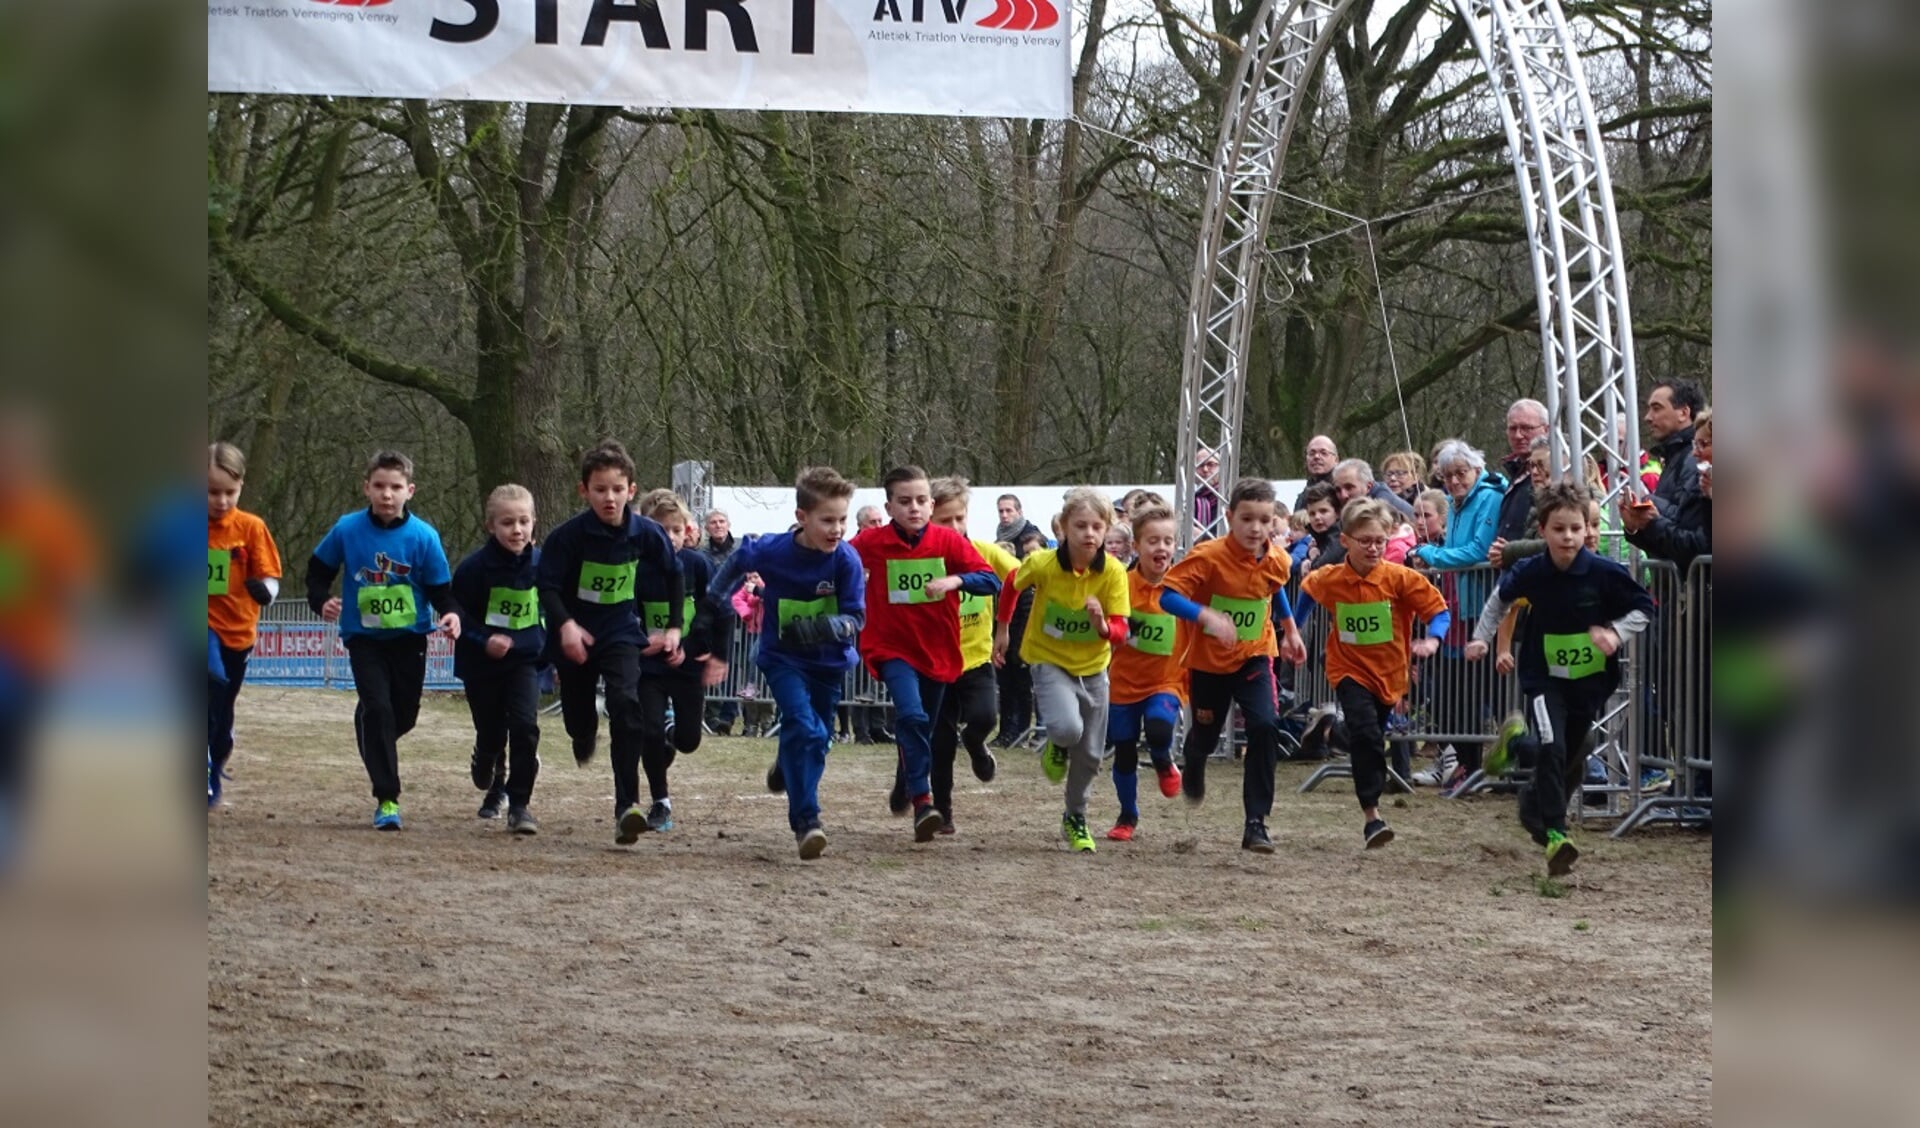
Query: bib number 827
{"points": [[611, 583]]}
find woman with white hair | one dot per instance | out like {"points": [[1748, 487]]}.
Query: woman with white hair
{"points": [[1462, 695]]}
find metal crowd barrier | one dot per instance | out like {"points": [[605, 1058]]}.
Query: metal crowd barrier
{"points": [[1671, 736]]}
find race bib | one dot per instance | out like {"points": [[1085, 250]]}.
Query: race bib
{"points": [[1152, 633], [13, 574], [973, 609], [1573, 656], [1249, 615], [655, 614], [219, 564], [792, 609], [512, 609], [387, 606], [605, 583], [1067, 624], [1364, 624], [907, 580]]}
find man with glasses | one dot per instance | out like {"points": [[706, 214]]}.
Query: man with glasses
{"points": [[1322, 457], [1526, 421]]}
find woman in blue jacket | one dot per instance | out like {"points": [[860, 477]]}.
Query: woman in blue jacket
{"points": [[1462, 694]]}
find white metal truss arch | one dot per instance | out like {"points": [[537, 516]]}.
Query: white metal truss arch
{"points": [[1557, 150]]}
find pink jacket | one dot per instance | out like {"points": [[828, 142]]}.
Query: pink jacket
{"points": [[747, 605], [1399, 545]]}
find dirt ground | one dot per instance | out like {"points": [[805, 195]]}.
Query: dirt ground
{"points": [[454, 972]]}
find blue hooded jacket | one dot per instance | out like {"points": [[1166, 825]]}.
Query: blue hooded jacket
{"points": [[1471, 527]]}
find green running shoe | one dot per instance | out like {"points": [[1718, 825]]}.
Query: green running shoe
{"points": [[1561, 854], [632, 821], [1053, 761], [1499, 761], [1074, 829], [387, 815]]}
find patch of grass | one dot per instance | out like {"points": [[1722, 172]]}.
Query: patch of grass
{"points": [[1547, 887], [1250, 924], [1581, 926], [1494, 890], [885, 863]]}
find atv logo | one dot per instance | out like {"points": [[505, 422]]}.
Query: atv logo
{"points": [[1007, 15], [385, 569]]}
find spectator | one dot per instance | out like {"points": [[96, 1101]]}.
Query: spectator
{"points": [[1014, 526], [1323, 526], [1406, 474], [1685, 530], [1526, 421], [720, 541], [1671, 408], [1322, 456], [1206, 494], [1120, 543], [1353, 478], [869, 516], [720, 715]]}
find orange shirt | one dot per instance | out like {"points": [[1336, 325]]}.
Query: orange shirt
{"points": [[1372, 622], [46, 559], [1154, 657], [1220, 574], [250, 554]]}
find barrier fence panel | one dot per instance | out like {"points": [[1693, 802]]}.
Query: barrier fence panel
{"points": [[1672, 775]]}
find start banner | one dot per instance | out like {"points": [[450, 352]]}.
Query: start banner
{"points": [[981, 58]]}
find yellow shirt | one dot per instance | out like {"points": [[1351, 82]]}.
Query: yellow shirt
{"points": [[976, 611], [1059, 631]]}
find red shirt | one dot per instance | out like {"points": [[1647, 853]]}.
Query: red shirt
{"points": [[901, 622]]}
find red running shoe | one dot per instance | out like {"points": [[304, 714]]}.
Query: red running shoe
{"points": [[1169, 781], [1123, 832]]}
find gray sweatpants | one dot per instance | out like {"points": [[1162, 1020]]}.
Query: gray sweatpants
{"points": [[1075, 712]]}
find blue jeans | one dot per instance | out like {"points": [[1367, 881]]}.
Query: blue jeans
{"points": [[807, 698], [1158, 715], [916, 701]]}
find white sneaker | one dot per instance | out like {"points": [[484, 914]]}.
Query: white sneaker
{"points": [[1438, 773]]}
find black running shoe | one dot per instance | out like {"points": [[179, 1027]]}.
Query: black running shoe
{"points": [[521, 821], [482, 772], [1255, 838], [1377, 834], [776, 779], [659, 817], [926, 822], [984, 765], [812, 840], [490, 806]]}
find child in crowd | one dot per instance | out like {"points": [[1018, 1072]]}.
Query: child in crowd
{"points": [[816, 598], [1120, 543], [1322, 524], [971, 704], [911, 640], [590, 569], [1079, 604], [392, 567], [1148, 677], [243, 576], [1240, 577], [498, 656], [674, 679], [1582, 608], [1370, 645]]}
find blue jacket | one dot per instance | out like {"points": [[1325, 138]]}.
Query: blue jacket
{"points": [[488, 570], [1471, 528]]}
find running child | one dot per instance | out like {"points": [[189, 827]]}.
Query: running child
{"points": [[673, 679], [497, 656], [815, 601], [392, 567], [971, 705], [590, 569], [1079, 605], [1242, 577], [1370, 645], [1148, 677], [243, 576], [1582, 608], [912, 637]]}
